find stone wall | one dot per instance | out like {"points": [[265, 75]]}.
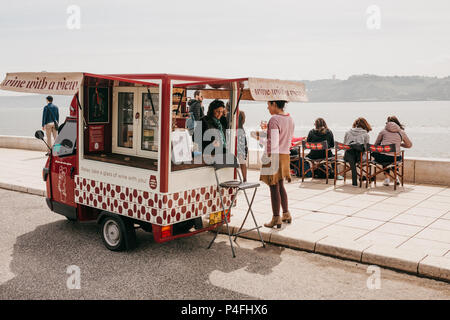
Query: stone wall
{"points": [[19, 142], [417, 170]]}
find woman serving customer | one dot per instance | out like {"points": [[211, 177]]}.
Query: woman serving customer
{"points": [[275, 169]]}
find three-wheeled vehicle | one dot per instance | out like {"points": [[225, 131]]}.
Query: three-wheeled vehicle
{"points": [[123, 157]]}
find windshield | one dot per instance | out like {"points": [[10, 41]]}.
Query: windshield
{"points": [[65, 143]]}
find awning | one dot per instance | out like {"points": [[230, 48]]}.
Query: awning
{"points": [[257, 89], [269, 90], [121, 79], [57, 83], [66, 83]]}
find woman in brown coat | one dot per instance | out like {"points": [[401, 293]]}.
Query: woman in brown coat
{"points": [[393, 133]]}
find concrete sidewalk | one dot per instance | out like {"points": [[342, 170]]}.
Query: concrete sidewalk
{"points": [[407, 230], [21, 170]]}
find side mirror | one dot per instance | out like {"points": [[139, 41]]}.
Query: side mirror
{"points": [[39, 134], [67, 143]]}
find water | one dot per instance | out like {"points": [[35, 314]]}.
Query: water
{"points": [[427, 122], [22, 115]]}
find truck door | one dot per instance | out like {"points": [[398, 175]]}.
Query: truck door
{"points": [[65, 163]]}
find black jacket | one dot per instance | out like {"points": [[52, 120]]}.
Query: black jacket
{"points": [[315, 136], [208, 123], [196, 108], [50, 114]]}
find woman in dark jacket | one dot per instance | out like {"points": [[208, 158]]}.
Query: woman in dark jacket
{"points": [[214, 128], [318, 134]]}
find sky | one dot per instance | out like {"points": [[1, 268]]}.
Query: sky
{"points": [[299, 40]]}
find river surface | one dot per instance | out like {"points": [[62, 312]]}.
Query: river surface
{"points": [[427, 122]]}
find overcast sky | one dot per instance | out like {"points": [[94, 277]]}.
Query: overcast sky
{"points": [[280, 39]]}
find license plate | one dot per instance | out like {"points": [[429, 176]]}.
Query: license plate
{"points": [[216, 217]]}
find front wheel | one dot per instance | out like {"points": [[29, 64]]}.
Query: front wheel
{"points": [[118, 234]]}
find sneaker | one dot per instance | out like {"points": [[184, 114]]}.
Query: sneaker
{"points": [[339, 178], [355, 186], [386, 182]]}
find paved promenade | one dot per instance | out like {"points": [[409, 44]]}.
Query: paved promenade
{"points": [[407, 229]]}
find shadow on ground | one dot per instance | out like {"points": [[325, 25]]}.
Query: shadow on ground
{"points": [[178, 269]]}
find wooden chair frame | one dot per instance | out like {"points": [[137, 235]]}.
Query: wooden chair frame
{"points": [[398, 167], [316, 163], [295, 158], [338, 146]]}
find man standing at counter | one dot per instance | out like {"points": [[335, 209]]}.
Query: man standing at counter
{"points": [[196, 106]]}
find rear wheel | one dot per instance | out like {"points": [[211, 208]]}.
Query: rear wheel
{"points": [[118, 233]]}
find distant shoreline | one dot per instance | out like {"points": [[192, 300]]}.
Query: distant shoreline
{"points": [[369, 87]]}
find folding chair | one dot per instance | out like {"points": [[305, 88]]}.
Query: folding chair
{"points": [[295, 159], [339, 160], [398, 166], [316, 163], [237, 186]]}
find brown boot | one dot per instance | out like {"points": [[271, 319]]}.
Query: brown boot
{"points": [[286, 217], [276, 221]]}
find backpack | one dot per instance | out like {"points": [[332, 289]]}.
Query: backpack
{"points": [[190, 123], [298, 171], [319, 174], [54, 119], [358, 147]]}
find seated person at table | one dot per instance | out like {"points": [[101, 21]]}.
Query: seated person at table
{"points": [[318, 134], [393, 133]]}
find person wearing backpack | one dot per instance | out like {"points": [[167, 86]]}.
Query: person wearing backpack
{"points": [[50, 120], [357, 137], [196, 106], [196, 112]]}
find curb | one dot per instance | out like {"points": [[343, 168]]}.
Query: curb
{"points": [[23, 189], [415, 263]]}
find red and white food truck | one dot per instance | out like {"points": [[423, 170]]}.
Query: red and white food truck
{"points": [[123, 157]]}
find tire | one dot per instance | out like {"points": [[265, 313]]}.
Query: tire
{"points": [[118, 233]]}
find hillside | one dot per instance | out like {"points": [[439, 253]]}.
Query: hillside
{"points": [[378, 88], [355, 88]]}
